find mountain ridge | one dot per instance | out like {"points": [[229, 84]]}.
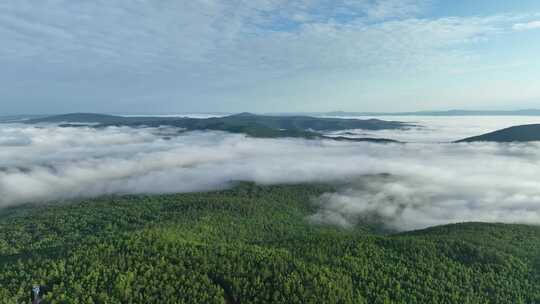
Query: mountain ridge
{"points": [[521, 133], [264, 126]]}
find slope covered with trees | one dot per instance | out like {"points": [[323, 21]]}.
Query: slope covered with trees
{"points": [[524, 133], [253, 244], [264, 126]]}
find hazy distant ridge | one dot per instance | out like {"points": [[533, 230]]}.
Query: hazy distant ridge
{"points": [[524, 133], [526, 112], [264, 126]]}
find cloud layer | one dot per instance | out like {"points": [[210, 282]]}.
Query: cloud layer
{"points": [[130, 55], [440, 129], [532, 25], [429, 184]]}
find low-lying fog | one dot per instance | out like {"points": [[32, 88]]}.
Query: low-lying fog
{"points": [[430, 183], [441, 128]]}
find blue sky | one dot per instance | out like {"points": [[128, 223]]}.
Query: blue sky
{"points": [[268, 55]]}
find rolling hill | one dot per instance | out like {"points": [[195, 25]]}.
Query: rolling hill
{"points": [[96, 119], [523, 133], [247, 123]]}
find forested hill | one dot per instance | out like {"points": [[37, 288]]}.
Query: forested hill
{"points": [[97, 119], [522, 133], [250, 124], [253, 244], [242, 119]]}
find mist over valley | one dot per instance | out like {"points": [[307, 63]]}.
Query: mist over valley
{"points": [[433, 181]]}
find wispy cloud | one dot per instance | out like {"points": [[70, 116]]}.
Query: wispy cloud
{"points": [[532, 25], [138, 51], [182, 37]]}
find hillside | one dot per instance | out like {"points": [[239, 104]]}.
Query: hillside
{"points": [[253, 244], [242, 119], [250, 124], [95, 118], [522, 133]]}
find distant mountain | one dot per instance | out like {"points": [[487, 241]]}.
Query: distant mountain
{"points": [[17, 118], [254, 125], [528, 112], [309, 122], [522, 133], [97, 118]]}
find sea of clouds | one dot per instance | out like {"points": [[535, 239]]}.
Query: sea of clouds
{"points": [[433, 129], [406, 186]]}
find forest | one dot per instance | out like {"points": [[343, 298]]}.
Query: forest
{"points": [[253, 244], [261, 126]]}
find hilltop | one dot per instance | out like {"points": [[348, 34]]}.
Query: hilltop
{"points": [[265, 126], [523, 133]]}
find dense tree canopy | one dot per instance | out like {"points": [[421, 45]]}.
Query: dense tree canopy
{"points": [[253, 244]]}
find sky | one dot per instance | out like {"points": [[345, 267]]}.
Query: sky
{"points": [[142, 56]]}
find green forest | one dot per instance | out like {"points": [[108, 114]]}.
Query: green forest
{"points": [[261, 126], [252, 244]]}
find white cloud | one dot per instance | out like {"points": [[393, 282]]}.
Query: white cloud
{"points": [[440, 129], [394, 8], [430, 184], [173, 52], [187, 37], [532, 25]]}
